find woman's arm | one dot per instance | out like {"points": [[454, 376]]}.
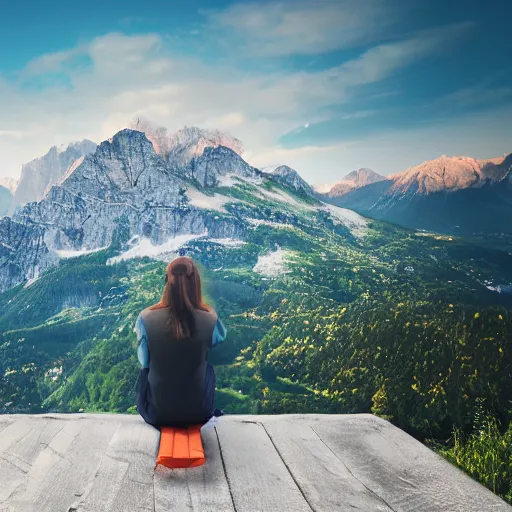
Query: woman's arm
{"points": [[142, 339], [219, 333]]}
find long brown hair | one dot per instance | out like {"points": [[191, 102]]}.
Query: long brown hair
{"points": [[182, 294]]}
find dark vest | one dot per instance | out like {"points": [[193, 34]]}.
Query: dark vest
{"points": [[177, 368]]}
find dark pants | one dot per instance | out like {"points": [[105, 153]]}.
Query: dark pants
{"points": [[148, 412]]}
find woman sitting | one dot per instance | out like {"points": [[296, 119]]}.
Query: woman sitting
{"points": [[177, 385]]}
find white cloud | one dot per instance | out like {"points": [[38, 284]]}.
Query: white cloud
{"points": [[381, 61], [17, 134], [48, 63], [304, 27]]}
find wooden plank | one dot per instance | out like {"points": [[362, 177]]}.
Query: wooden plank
{"points": [[15, 432], [124, 478], [41, 434], [55, 480], [60, 443], [11, 478], [201, 489], [323, 478], [258, 479], [5, 421], [401, 470]]}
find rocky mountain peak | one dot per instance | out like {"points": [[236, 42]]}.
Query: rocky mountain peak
{"points": [[363, 177], [217, 162], [119, 164], [126, 187], [354, 180], [124, 142], [38, 174], [290, 178], [181, 146]]}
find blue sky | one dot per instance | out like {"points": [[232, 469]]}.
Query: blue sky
{"points": [[325, 86]]}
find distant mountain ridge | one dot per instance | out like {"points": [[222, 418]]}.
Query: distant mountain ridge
{"points": [[450, 174], [458, 195], [353, 180], [194, 183], [39, 173]]}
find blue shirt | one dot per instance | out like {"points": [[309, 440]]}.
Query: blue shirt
{"points": [[219, 335]]}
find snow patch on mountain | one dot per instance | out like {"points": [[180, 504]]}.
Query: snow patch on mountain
{"points": [[272, 264], [283, 197], [144, 247], [349, 218], [35, 277], [228, 242], [65, 254], [233, 180], [215, 202], [30, 282]]}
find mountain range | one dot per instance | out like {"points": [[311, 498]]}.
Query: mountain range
{"points": [[195, 183], [192, 184], [455, 195]]}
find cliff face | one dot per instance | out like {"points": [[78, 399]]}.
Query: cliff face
{"points": [[38, 174], [216, 163], [24, 253], [126, 178]]}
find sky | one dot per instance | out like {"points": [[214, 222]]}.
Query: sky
{"points": [[324, 86]]}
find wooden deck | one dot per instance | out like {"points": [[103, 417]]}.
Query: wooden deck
{"points": [[293, 463]]}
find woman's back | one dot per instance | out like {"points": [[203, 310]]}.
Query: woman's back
{"points": [[178, 367]]}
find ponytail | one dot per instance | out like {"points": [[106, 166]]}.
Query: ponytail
{"points": [[182, 295]]}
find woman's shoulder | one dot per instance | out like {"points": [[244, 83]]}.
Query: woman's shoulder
{"points": [[208, 314], [155, 308], [207, 311]]}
